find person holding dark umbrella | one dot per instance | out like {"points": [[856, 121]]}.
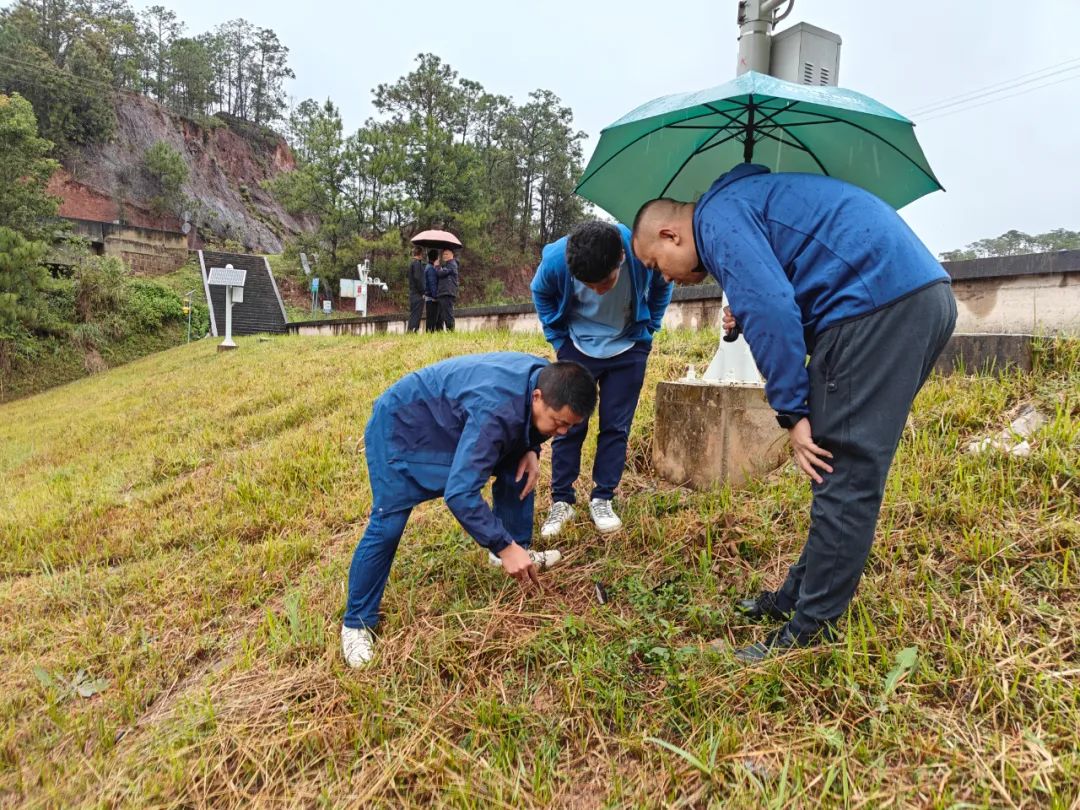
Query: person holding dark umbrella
{"points": [[441, 275], [446, 274]]}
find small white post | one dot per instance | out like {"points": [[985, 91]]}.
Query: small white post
{"points": [[228, 342], [233, 283]]}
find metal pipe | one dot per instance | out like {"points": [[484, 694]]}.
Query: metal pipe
{"points": [[228, 342], [755, 26]]}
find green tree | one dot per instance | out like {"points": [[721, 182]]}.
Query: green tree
{"points": [[23, 280], [424, 107], [25, 169], [549, 159], [268, 70], [318, 186], [118, 40], [1016, 243], [52, 56], [160, 29], [167, 172], [192, 88]]}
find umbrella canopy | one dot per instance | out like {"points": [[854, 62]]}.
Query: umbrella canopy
{"points": [[437, 239], [676, 146]]}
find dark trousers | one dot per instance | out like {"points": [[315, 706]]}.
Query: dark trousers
{"points": [[446, 312], [374, 554], [620, 379], [431, 311], [416, 312], [864, 376]]}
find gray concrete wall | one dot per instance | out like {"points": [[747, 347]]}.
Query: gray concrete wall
{"points": [[1048, 303]]}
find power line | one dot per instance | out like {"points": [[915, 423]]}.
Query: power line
{"points": [[1000, 87], [947, 113], [72, 79], [63, 74]]}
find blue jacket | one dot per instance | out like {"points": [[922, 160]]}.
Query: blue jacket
{"points": [[431, 280], [798, 253], [444, 430], [553, 293]]}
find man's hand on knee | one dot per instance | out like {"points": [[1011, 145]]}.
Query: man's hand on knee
{"points": [[808, 455]]}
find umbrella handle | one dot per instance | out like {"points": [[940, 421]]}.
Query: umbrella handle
{"points": [[733, 335]]}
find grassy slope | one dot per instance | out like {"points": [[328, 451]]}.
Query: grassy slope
{"points": [[182, 526], [60, 360]]}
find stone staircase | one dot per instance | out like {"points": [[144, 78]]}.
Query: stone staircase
{"points": [[262, 310]]}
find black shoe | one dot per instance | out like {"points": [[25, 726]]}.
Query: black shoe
{"points": [[777, 642], [762, 607]]}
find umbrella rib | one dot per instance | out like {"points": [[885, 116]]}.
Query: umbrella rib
{"points": [[798, 145], [622, 149], [861, 128], [701, 126], [694, 154], [731, 118], [770, 118]]}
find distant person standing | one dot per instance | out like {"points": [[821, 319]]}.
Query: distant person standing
{"points": [[417, 289], [431, 283], [447, 274]]}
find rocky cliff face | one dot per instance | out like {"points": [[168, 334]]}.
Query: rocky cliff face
{"points": [[227, 162]]}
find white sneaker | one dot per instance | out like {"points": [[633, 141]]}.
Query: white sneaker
{"points": [[560, 514], [541, 559], [358, 645], [604, 516]]}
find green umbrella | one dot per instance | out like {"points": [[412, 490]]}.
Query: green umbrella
{"points": [[676, 146]]}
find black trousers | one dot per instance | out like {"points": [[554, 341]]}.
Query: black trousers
{"points": [[446, 312], [431, 321], [416, 311], [864, 375], [620, 379]]}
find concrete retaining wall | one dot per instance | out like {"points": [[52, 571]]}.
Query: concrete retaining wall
{"points": [[1035, 294], [148, 252]]}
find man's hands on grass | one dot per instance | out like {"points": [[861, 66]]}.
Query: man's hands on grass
{"points": [[808, 455], [518, 564]]}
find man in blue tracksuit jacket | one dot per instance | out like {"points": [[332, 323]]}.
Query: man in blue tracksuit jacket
{"points": [[812, 265], [431, 286], [444, 431], [599, 306]]}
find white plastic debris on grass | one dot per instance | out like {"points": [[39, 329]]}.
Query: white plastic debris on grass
{"points": [[1013, 439]]}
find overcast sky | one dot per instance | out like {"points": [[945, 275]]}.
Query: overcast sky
{"points": [[1012, 163]]}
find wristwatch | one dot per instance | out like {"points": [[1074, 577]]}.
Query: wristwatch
{"points": [[788, 420]]}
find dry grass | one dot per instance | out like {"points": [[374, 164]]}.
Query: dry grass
{"points": [[186, 536]]}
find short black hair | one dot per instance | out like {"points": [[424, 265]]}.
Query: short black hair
{"points": [[568, 383], [417, 250], [593, 250], [432, 254]]}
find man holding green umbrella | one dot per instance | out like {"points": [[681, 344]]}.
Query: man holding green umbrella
{"points": [[814, 265]]}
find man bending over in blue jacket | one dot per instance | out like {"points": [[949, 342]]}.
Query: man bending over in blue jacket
{"points": [[815, 266], [599, 306], [443, 431]]}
